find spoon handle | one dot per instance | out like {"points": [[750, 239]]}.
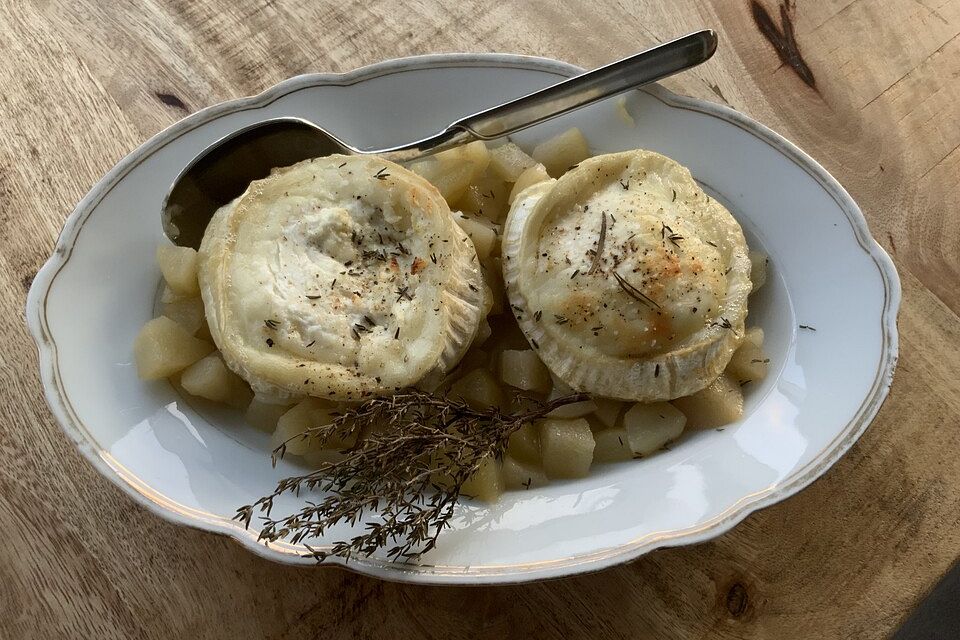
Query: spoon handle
{"points": [[589, 87], [609, 80]]}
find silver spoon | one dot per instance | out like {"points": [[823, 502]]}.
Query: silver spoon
{"points": [[222, 171]]}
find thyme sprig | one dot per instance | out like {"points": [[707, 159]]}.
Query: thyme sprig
{"points": [[408, 473]]}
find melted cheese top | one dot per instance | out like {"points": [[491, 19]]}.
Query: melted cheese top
{"points": [[339, 277], [623, 270]]}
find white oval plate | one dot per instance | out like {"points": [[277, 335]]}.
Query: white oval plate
{"points": [[194, 465]]}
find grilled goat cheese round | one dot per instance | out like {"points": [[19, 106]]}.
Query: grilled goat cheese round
{"points": [[627, 278], [339, 277]]}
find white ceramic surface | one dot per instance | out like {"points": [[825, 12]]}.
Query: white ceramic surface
{"points": [[194, 465]]}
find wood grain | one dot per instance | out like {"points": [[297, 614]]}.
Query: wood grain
{"points": [[84, 82]]}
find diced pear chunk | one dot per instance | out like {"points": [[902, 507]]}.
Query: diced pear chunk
{"points": [[517, 474], [478, 388], [450, 182], [163, 347], [265, 415], [179, 268], [749, 362], [650, 426], [612, 446], [524, 444], [187, 312], [608, 411], [169, 295], [524, 370], [453, 170], [485, 484], [211, 379], [574, 410], [758, 269], [562, 152], [535, 174], [486, 196], [719, 404], [483, 234], [476, 154], [566, 447], [508, 161], [311, 412]]}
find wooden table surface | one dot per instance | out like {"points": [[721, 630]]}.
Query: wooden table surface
{"points": [[870, 88]]}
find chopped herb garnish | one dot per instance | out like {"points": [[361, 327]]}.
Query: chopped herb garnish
{"points": [[403, 292], [433, 258], [360, 328], [312, 342], [271, 324], [534, 343], [743, 383], [575, 274], [722, 322], [560, 319], [354, 333], [807, 327], [381, 175], [633, 292], [538, 315], [600, 243], [625, 185], [309, 297], [402, 249], [674, 195], [712, 244], [396, 334], [334, 283], [656, 371]]}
